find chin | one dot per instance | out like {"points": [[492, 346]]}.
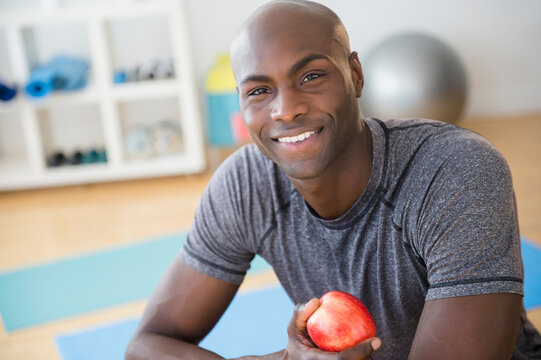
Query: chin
{"points": [[307, 168], [303, 171]]}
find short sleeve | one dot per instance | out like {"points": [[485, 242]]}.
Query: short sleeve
{"points": [[216, 244], [467, 226]]}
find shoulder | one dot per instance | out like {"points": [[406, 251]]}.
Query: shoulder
{"points": [[244, 167], [435, 143], [437, 169], [470, 155]]}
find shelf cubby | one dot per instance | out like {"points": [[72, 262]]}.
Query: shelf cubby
{"points": [[110, 36]]}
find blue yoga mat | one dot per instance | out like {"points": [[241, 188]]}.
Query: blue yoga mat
{"points": [[105, 342], [47, 292], [78, 285], [531, 255], [255, 323]]}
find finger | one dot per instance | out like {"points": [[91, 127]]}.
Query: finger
{"points": [[364, 349], [305, 311], [302, 320], [297, 325], [302, 312]]}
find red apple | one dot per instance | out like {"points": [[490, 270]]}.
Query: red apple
{"points": [[341, 321]]}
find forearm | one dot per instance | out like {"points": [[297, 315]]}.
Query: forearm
{"points": [[274, 356], [155, 346]]}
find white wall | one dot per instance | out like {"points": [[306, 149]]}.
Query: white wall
{"points": [[498, 40]]}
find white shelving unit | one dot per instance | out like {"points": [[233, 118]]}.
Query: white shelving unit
{"points": [[98, 114]]}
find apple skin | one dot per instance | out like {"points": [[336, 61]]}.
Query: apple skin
{"points": [[341, 321]]}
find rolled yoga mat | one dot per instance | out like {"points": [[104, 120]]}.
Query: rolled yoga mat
{"points": [[61, 73]]}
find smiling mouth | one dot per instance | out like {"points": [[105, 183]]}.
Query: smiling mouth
{"points": [[297, 138]]}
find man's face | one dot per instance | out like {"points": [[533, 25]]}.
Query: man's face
{"points": [[298, 89]]}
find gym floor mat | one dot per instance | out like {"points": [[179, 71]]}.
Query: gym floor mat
{"points": [[531, 256], [255, 323], [47, 292]]}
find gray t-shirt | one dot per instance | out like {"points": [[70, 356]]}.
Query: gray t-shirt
{"points": [[436, 220]]}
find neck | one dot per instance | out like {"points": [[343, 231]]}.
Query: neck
{"points": [[334, 192]]}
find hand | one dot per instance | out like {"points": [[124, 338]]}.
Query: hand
{"points": [[300, 346]]}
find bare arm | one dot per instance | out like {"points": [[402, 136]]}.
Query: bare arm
{"points": [[184, 307], [470, 327]]}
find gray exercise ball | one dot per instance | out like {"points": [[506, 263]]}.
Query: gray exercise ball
{"points": [[413, 75]]}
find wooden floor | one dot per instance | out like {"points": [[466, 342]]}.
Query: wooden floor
{"points": [[43, 225]]}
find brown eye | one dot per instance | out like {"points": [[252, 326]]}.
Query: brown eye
{"points": [[258, 91], [310, 77]]}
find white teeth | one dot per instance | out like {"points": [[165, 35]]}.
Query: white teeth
{"points": [[297, 138]]}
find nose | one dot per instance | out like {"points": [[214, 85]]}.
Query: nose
{"points": [[288, 105]]}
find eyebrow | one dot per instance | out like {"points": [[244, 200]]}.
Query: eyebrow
{"points": [[304, 61], [256, 78], [292, 70]]}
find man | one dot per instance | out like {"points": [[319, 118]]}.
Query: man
{"points": [[416, 218]]}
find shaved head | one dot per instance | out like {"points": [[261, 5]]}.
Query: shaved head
{"points": [[281, 13], [282, 19]]}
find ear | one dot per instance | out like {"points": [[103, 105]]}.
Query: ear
{"points": [[356, 73]]}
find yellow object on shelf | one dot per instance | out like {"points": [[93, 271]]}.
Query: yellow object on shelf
{"points": [[220, 78]]}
